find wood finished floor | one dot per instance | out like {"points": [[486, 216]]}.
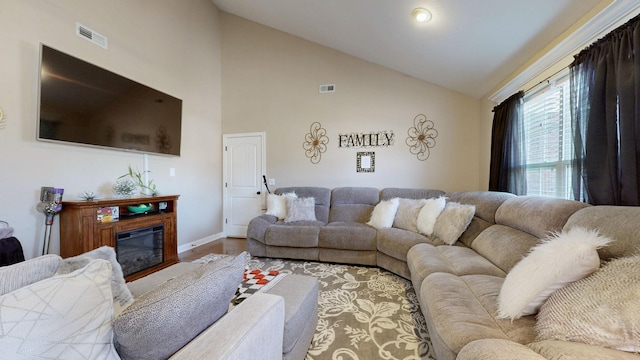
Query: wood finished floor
{"points": [[229, 246]]}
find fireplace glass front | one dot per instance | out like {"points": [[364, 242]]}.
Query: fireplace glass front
{"points": [[140, 249]]}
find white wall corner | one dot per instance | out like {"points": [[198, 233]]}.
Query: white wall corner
{"points": [[614, 15]]}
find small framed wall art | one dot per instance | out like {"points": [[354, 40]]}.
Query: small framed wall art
{"points": [[366, 162]]}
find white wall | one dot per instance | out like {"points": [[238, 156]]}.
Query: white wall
{"points": [[172, 46], [270, 83]]}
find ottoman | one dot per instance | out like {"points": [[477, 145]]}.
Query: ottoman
{"points": [[300, 295]]}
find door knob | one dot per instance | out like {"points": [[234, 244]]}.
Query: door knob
{"points": [[258, 193]]}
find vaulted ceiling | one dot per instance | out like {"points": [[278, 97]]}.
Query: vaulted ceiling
{"points": [[469, 46]]}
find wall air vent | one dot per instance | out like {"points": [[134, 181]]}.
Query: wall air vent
{"points": [[327, 88], [94, 37]]}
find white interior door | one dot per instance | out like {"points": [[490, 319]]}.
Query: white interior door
{"points": [[243, 189]]}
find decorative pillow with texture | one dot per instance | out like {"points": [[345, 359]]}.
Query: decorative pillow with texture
{"points": [[453, 221], [407, 214], [558, 261], [121, 295], [277, 206], [15, 276], [428, 215], [62, 317], [384, 213], [300, 209], [163, 320], [602, 309]]}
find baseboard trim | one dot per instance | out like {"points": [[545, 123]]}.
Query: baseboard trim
{"points": [[199, 242]]}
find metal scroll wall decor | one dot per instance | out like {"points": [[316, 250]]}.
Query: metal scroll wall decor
{"points": [[422, 137], [315, 142], [3, 123]]}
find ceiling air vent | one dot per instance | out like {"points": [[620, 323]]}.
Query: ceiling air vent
{"points": [[327, 88], [94, 37]]}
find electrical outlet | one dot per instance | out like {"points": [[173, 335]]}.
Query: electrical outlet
{"points": [[271, 181]]}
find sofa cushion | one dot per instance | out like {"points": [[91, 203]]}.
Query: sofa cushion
{"points": [[601, 309], [616, 222], [538, 216], [407, 215], [428, 215], [408, 193], [300, 209], [353, 204], [453, 221], [397, 242], [300, 235], [347, 236], [504, 246], [121, 295], [384, 213], [426, 259], [486, 202], [560, 260], [24, 273], [555, 349], [163, 320], [462, 309], [62, 317]]}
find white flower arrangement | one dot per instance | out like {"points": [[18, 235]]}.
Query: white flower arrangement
{"points": [[125, 187]]}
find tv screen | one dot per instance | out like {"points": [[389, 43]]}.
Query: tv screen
{"points": [[81, 103]]}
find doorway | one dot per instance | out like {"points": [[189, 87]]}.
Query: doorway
{"points": [[243, 168]]}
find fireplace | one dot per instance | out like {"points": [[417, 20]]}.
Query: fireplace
{"points": [[140, 249]]}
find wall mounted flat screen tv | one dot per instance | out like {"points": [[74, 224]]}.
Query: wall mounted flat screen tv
{"points": [[84, 104]]}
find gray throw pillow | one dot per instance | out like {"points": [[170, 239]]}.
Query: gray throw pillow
{"points": [[121, 295], [453, 221], [16, 276], [300, 209], [601, 309], [161, 321], [407, 215]]}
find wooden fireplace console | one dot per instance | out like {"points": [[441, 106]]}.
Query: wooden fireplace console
{"points": [[81, 231]]}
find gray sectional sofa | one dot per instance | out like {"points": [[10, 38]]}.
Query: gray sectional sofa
{"points": [[457, 286]]}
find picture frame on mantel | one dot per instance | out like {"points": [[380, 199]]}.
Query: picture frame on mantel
{"points": [[366, 162]]}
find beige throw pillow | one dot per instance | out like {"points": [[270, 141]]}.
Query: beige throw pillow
{"points": [[62, 317], [407, 214], [453, 221], [384, 213], [558, 261], [602, 309]]}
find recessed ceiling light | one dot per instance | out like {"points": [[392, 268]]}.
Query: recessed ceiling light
{"points": [[421, 14]]}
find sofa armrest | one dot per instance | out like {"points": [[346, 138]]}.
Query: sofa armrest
{"points": [[497, 349], [258, 226], [254, 327]]}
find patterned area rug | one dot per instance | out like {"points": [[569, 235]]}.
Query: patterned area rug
{"points": [[364, 312]]}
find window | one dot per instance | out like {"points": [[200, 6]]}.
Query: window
{"points": [[549, 142]]}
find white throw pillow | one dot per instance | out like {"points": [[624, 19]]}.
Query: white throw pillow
{"points": [[384, 213], [602, 309], [429, 214], [453, 221], [277, 206], [558, 261], [62, 317]]}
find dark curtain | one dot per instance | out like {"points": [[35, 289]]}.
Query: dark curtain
{"points": [[605, 104], [507, 170]]}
